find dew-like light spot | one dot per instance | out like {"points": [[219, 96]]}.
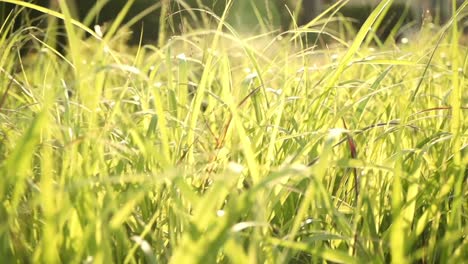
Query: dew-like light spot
{"points": [[144, 245], [181, 57], [275, 91], [251, 76], [89, 259], [97, 29], [235, 167], [220, 213], [336, 132]]}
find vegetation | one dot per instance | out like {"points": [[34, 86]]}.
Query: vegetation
{"points": [[219, 148]]}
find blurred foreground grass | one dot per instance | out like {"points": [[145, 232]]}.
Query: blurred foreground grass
{"points": [[222, 148]]}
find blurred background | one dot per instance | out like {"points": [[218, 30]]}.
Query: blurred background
{"points": [[144, 18]]}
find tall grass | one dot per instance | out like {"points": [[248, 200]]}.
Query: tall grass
{"points": [[214, 147]]}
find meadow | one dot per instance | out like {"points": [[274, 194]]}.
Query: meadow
{"points": [[219, 147]]}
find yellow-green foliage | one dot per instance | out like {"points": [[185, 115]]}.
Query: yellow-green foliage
{"points": [[220, 148]]}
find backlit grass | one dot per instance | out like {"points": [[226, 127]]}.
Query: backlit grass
{"points": [[215, 147]]}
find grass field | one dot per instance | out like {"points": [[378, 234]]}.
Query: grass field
{"points": [[219, 148]]}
